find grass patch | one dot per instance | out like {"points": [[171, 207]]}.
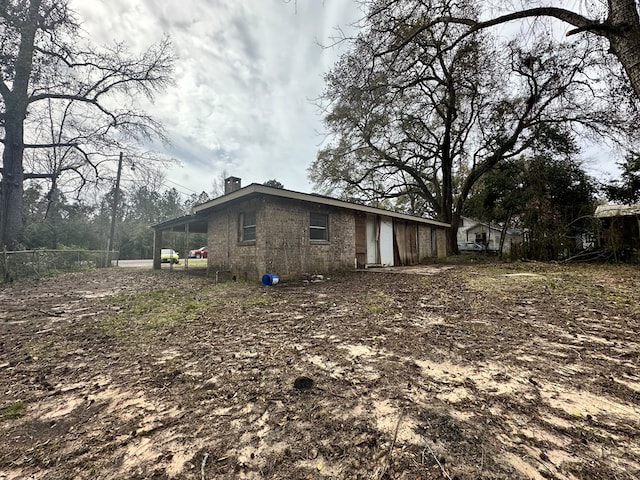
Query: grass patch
{"points": [[155, 310], [379, 302], [258, 300], [44, 350], [195, 262], [609, 283], [158, 311], [13, 410]]}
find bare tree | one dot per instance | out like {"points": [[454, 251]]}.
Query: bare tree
{"points": [[421, 121], [218, 185], [619, 25], [51, 76]]}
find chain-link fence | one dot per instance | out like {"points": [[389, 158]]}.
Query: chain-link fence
{"points": [[15, 265]]}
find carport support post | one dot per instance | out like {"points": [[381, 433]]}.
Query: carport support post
{"points": [[186, 247], [157, 249]]}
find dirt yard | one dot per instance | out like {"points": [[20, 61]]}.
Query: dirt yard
{"points": [[518, 371]]}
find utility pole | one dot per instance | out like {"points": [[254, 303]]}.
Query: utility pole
{"points": [[114, 212]]}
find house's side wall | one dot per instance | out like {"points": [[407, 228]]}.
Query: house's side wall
{"points": [[425, 246], [441, 239], [227, 255], [432, 242], [288, 249], [283, 243], [463, 233]]}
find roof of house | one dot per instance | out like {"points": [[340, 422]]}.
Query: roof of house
{"points": [[198, 219], [606, 211], [256, 189]]}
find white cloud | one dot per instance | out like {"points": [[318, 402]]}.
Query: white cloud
{"points": [[245, 74]]}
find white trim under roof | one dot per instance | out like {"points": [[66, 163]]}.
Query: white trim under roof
{"points": [[256, 188]]}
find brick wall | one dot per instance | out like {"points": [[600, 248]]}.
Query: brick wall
{"points": [[441, 245], [288, 249], [226, 252], [282, 242]]}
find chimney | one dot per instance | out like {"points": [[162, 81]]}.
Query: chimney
{"points": [[231, 184]]}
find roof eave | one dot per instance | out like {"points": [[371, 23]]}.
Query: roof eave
{"points": [[255, 188]]}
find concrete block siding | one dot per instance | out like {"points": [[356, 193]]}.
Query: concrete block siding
{"points": [[283, 243], [283, 240], [288, 247]]}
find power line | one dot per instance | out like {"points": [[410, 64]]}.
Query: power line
{"points": [[181, 186]]}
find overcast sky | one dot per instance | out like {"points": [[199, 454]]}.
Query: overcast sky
{"points": [[246, 74], [245, 77]]}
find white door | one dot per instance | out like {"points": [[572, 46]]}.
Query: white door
{"points": [[386, 242]]}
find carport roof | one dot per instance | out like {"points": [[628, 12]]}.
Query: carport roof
{"points": [[197, 224]]}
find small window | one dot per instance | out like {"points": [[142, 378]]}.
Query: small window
{"points": [[481, 238], [318, 227], [247, 226]]}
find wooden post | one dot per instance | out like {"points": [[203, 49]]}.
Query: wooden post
{"points": [[186, 247], [157, 249]]}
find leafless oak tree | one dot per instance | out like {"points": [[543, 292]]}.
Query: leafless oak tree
{"points": [[419, 115], [620, 26], [51, 78]]}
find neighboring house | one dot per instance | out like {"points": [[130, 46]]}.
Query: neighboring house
{"points": [[471, 230], [259, 229], [620, 227]]}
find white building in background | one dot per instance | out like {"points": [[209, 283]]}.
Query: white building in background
{"points": [[474, 231]]}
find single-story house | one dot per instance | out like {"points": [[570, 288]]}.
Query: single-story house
{"points": [[259, 229], [620, 227], [471, 230]]}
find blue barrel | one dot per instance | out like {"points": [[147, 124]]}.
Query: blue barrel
{"points": [[270, 279]]}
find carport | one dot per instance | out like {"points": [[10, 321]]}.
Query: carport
{"points": [[196, 223]]}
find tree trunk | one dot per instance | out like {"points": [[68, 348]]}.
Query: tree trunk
{"points": [[453, 234], [503, 234], [447, 168], [16, 102], [12, 185], [625, 40]]}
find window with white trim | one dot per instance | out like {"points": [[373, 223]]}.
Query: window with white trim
{"points": [[318, 227]]}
